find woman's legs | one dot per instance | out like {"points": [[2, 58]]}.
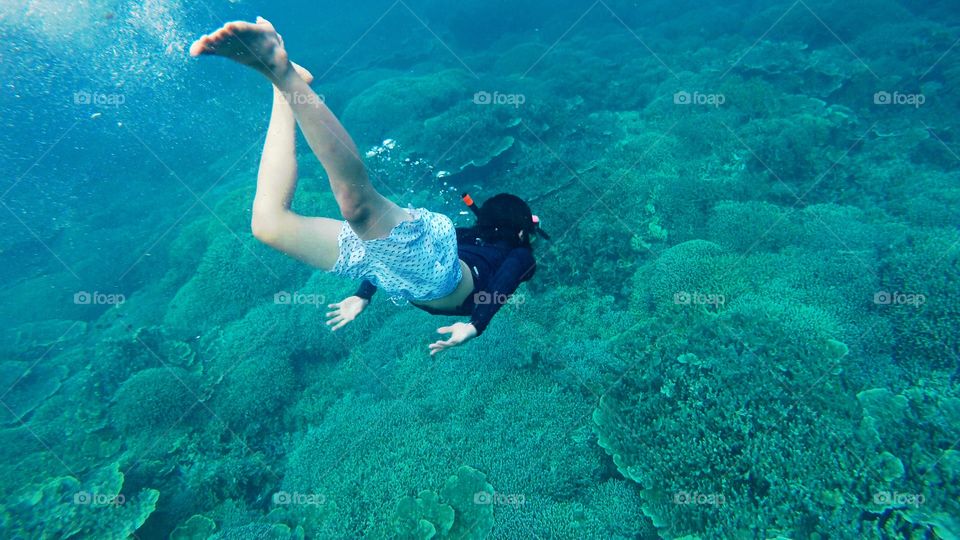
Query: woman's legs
{"points": [[312, 240], [368, 212]]}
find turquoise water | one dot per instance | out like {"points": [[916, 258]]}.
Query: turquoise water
{"points": [[745, 325]]}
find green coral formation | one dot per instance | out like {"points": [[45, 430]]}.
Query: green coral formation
{"points": [[27, 385], [68, 507], [919, 492], [921, 291], [235, 274], [154, 399], [422, 517], [464, 509], [753, 350], [746, 365], [471, 498], [389, 104], [196, 528]]}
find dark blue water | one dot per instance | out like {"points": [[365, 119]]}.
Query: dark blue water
{"points": [[744, 324]]}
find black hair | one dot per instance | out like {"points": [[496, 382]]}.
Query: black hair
{"points": [[501, 218]]}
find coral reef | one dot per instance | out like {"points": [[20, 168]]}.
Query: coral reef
{"points": [[745, 325]]}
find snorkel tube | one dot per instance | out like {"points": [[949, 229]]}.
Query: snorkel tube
{"points": [[468, 200], [537, 229]]}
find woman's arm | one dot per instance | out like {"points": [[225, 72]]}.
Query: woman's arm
{"points": [[518, 267], [366, 290], [350, 307]]}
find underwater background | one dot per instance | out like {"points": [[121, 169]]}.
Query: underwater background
{"points": [[745, 325]]}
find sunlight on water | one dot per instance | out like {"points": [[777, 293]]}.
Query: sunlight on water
{"points": [[125, 42]]}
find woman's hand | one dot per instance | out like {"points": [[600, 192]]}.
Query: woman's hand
{"points": [[345, 311], [460, 334]]}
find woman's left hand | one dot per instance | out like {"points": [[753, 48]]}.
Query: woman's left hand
{"points": [[460, 333]]}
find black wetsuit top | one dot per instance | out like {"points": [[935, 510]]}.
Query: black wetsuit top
{"points": [[497, 271]]}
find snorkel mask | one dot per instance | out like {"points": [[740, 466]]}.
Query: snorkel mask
{"points": [[537, 229]]}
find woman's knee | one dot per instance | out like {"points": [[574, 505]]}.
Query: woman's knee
{"points": [[356, 209]]}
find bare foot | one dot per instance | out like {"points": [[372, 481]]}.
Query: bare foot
{"points": [[256, 45]]}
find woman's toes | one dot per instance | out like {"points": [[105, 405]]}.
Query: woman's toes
{"points": [[201, 46]]}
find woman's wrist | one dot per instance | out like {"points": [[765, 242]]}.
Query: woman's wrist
{"points": [[474, 328]]}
